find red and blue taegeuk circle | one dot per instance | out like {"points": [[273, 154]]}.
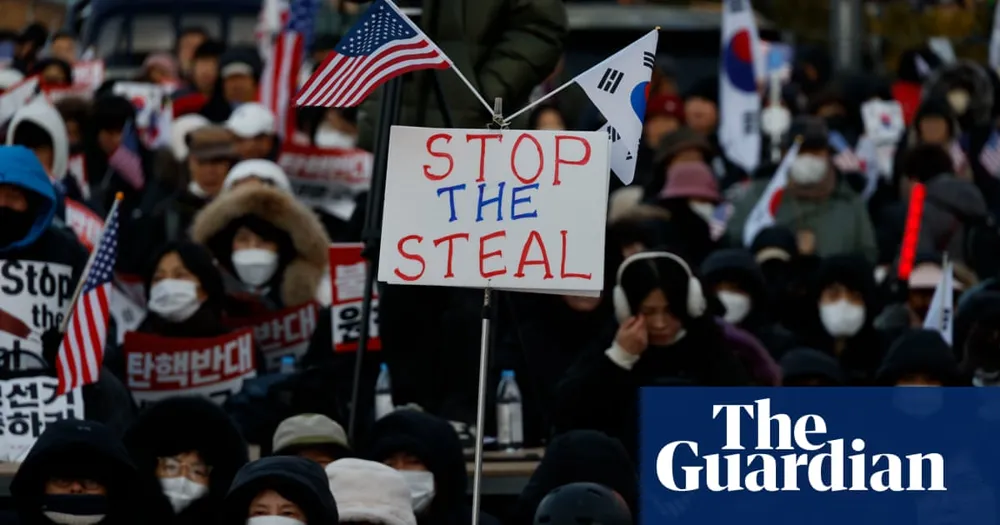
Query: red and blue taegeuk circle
{"points": [[737, 62], [639, 96]]}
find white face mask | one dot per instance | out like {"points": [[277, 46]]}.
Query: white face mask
{"points": [[958, 99], [842, 319], [175, 300], [737, 306], [255, 266], [73, 519], [807, 169], [182, 492], [918, 400], [329, 137], [421, 484], [273, 520], [705, 210]]}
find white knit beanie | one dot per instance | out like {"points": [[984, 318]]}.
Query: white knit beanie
{"points": [[370, 492]]}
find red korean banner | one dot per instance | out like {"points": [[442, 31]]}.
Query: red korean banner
{"points": [[160, 367], [282, 333], [347, 277], [86, 224], [327, 178]]}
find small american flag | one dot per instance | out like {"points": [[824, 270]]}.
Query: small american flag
{"points": [[126, 160], [844, 158], [82, 349], [382, 44], [989, 157], [281, 73]]}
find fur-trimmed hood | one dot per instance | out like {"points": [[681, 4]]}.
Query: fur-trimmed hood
{"points": [[974, 79], [303, 274]]}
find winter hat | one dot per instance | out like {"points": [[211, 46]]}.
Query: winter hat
{"points": [[299, 480], [211, 142], [774, 242], [919, 352], [179, 130], [803, 363], [853, 272], [936, 107], [308, 430], [163, 61], [370, 492], [665, 105], [927, 275], [262, 169], [251, 120], [706, 88], [813, 131], [691, 180]]}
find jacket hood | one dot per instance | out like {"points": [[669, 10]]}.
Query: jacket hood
{"points": [[298, 480], [920, 352], [20, 167], [580, 456], [739, 267], [956, 195], [430, 439], [303, 274], [802, 363], [183, 424], [970, 76], [74, 448], [45, 116]]}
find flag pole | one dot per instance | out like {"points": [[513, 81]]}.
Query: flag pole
{"points": [[90, 263]]}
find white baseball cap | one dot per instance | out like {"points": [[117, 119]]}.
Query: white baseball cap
{"points": [[262, 169], [179, 131], [251, 120]]}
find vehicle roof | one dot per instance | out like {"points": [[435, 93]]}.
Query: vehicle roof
{"points": [[102, 6], [599, 16]]}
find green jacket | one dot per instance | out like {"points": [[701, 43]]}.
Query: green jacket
{"points": [[840, 223], [504, 47]]}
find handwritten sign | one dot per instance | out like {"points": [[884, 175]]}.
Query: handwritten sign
{"points": [[282, 333], [518, 210], [28, 405], [160, 367], [34, 297], [327, 178], [347, 279]]}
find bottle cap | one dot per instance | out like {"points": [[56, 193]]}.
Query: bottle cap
{"points": [[507, 373], [383, 367], [288, 358]]}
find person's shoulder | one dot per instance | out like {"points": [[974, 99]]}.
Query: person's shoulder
{"points": [[60, 245]]}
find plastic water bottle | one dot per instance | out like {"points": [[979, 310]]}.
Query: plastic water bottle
{"points": [[287, 364], [510, 422], [383, 393]]}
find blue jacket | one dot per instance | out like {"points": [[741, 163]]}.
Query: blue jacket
{"points": [[20, 167]]}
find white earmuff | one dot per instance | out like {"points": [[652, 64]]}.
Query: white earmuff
{"points": [[696, 304]]}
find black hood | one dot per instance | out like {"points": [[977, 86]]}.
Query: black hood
{"points": [[856, 274], [430, 439], [739, 267], [921, 352], [580, 456], [298, 480], [977, 344], [74, 448], [970, 76], [183, 424], [803, 363]]}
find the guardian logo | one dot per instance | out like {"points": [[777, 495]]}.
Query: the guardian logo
{"points": [[803, 456]]}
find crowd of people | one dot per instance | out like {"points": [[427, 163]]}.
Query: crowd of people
{"points": [[212, 229]]}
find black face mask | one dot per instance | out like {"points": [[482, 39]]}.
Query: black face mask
{"points": [[75, 509], [16, 226]]}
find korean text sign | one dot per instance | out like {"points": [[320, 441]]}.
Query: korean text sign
{"points": [[518, 210], [347, 278], [821, 456], [327, 178], [27, 405], [160, 367], [283, 333]]}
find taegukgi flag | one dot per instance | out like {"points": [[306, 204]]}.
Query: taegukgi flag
{"points": [[819, 456], [619, 87], [739, 102], [763, 212], [941, 313]]}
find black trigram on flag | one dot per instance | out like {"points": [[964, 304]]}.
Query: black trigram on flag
{"points": [[610, 81], [736, 5], [648, 59], [613, 135]]}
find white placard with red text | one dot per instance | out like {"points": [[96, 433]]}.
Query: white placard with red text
{"points": [[327, 178], [283, 333], [89, 74], [160, 367], [513, 209], [347, 280], [86, 224]]}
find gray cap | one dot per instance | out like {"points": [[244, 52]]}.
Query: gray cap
{"points": [[308, 429]]}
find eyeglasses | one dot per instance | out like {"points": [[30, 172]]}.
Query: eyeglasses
{"points": [[68, 483], [175, 467]]}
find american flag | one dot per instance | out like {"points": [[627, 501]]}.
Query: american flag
{"points": [[382, 44], [989, 157], [281, 73], [126, 160], [844, 158], [82, 348]]}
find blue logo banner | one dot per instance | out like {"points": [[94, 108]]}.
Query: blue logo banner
{"points": [[816, 456]]}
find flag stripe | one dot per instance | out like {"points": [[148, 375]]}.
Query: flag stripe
{"points": [[377, 68], [392, 52], [397, 69], [324, 70], [390, 67]]}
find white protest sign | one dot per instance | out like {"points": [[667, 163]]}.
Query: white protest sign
{"points": [[89, 73], [327, 178], [883, 121], [513, 209], [17, 97], [34, 297], [27, 405], [151, 109]]}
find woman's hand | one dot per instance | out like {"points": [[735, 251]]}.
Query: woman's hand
{"points": [[632, 335]]}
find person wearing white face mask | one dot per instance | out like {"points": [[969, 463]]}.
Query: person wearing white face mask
{"points": [[185, 294], [845, 298], [280, 491], [337, 129], [826, 214], [739, 285], [272, 248], [77, 473], [690, 196], [189, 449]]}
